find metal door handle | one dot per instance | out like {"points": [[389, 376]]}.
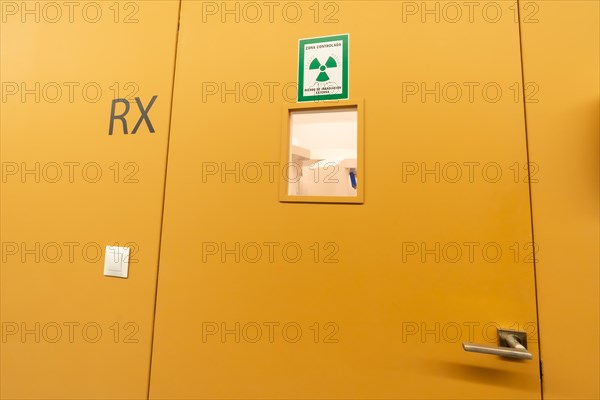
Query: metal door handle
{"points": [[511, 344]]}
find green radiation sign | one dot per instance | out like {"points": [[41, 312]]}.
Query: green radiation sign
{"points": [[323, 68]]}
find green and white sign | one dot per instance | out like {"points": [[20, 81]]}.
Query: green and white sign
{"points": [[323, 68]]}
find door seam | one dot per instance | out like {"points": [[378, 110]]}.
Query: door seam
{"points": [[533, 247], [162, 214]]}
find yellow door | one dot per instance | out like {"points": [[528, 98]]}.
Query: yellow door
{"points": [[259, 298], [69, 189]]}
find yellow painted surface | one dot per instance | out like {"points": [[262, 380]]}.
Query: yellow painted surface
{"points": [[390, 320], [59, 217], [561, 56], [379, 292]]}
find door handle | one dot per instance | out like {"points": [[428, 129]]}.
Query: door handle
{"points": [[511, 344]]}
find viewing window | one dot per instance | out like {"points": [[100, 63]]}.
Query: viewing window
{"points": [[322, 153]]}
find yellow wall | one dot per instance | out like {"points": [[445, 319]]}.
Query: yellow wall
{"points": [[560, 56], [69, 331]]}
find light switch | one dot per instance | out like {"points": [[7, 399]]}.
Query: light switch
{"points": [[116, 261]]}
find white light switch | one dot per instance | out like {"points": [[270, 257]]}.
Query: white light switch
{"points": [[116, 261]]}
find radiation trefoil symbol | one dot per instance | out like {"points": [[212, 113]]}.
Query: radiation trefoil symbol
{"points": [[316, 64]]}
